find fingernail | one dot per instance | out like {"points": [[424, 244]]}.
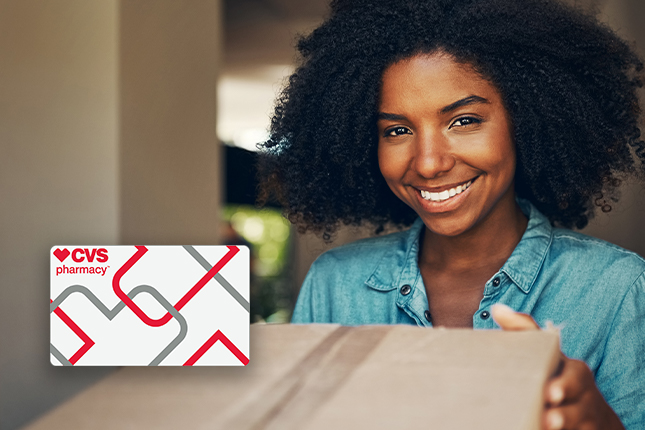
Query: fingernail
{"points": [[556, 394], [555, 421]]}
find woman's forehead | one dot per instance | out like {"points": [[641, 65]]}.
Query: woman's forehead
{"points": [[437, 78]]}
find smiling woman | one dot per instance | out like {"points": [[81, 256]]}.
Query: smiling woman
{"points": [[445, 148], [486, 125]]}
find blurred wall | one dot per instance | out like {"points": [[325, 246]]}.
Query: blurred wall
{"points": [[58, 164], [107, 136], [623, 225], [170, 157]]}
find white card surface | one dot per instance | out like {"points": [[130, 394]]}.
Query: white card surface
{"points": [[149, 305]]}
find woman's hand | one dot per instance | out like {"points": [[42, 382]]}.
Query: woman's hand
{"points": [[572, 399]]}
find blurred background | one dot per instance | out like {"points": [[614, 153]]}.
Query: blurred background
{"points": [[135, 122]]}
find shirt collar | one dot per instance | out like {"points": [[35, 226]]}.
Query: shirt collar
{"points": [[522, 267], [524, 264], [385, 276]]}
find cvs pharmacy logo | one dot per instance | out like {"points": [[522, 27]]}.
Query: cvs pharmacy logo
{"points": [[80, 255]]}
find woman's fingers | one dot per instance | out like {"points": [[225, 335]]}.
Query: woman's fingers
{"points": [[574, 402], [508, 319], [572, 381], [563, 417], [567, 407]]}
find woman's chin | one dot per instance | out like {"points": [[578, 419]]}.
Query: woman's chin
{"points": [[449, 227]]}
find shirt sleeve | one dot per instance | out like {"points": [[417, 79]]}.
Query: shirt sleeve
{"points": [[312, 306], [621, 374]]}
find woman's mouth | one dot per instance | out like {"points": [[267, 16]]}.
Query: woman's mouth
{"points": [[446, 194]]}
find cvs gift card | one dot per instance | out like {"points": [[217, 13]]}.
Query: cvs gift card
{"points": [[149, 305]]}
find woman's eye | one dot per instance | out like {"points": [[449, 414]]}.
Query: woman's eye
{"points": [[397, 131], [465, 121]]}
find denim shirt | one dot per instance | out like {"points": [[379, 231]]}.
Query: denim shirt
{"points": [[592, 290]]}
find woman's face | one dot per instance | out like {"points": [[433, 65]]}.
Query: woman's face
{"points": [[445, 143]]}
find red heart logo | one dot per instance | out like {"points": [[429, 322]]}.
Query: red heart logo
{"points": [[61, 254]]}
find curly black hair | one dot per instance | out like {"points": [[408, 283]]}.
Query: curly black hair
{"points": [[569, 83]]}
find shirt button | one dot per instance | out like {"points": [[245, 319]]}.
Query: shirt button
{"points": [[496, 282], [484, 315], [428, 316], [405, 290]]}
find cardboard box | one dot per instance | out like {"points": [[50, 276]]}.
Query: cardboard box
{"points": [[331, 377]]}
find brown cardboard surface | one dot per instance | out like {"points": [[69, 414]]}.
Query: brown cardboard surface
{"points": [[446, 379], [332, 377]]}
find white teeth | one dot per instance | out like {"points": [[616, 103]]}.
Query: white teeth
{"points": [[446, 194]]}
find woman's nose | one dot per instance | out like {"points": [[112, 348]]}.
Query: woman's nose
{"points": [[433, 155]]}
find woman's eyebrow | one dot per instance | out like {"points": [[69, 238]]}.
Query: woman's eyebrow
{"points": [[391, 116], [463, 102], [451, 107]]}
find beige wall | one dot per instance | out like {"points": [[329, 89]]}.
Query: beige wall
{"points": [[107, 135], [170, 164], [58, 137]]}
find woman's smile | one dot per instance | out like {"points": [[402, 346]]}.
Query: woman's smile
{"points": [[444, 198], [446, 144]]}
